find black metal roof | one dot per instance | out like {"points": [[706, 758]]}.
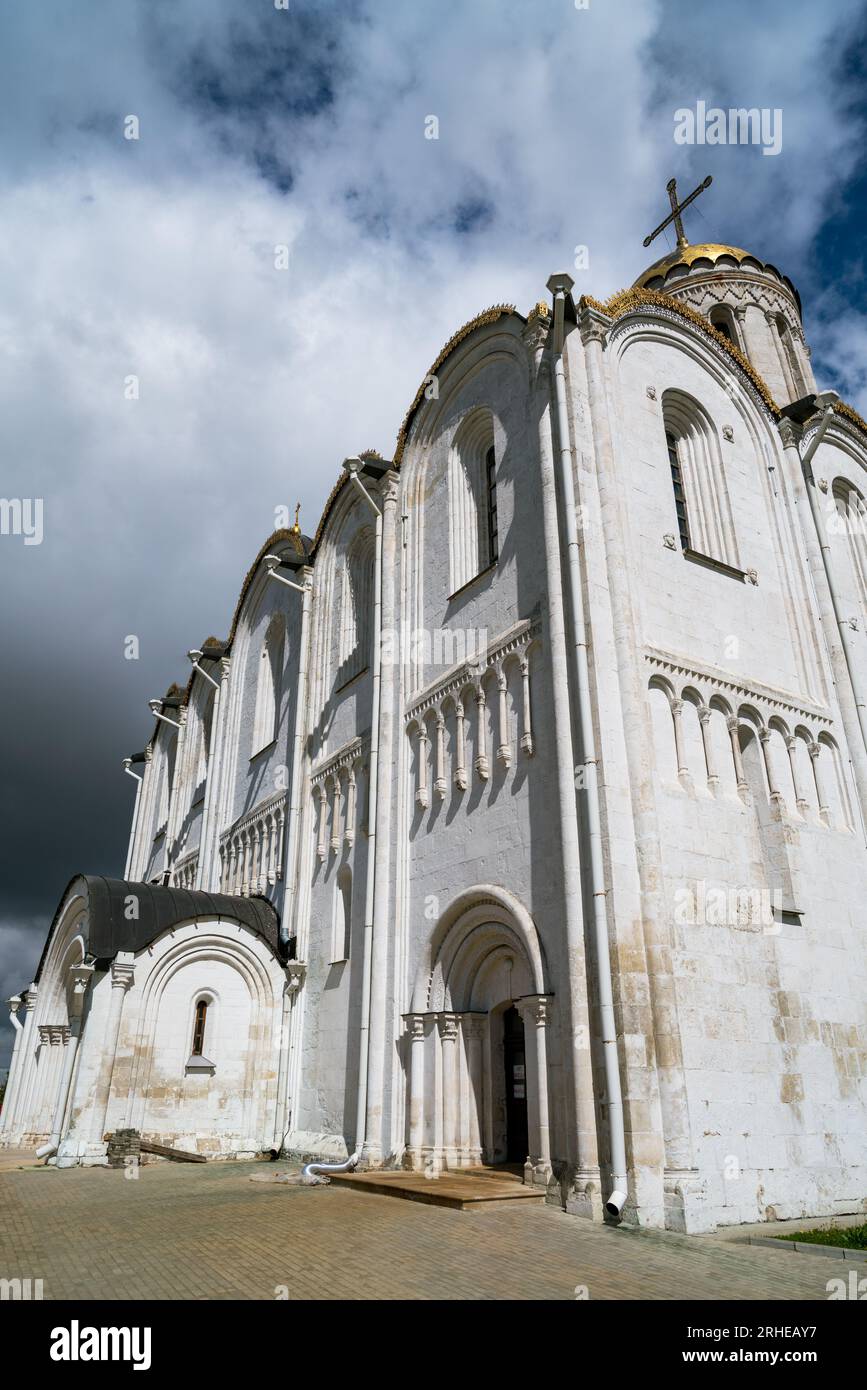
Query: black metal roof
{"points": [[110, 930]]}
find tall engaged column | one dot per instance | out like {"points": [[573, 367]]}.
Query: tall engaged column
{"points": [[533, 1009], [474, 1031], [415, 1139], [448, 1030], [382, 915]]}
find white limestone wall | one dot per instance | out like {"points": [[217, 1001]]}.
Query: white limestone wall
{"points": [[772, 1014], [232, 1111], [753, 629], [325, 1104], [502, 829]]}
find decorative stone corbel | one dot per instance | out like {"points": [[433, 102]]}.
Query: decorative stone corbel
{"points": [[296, 971], [80, 977]]}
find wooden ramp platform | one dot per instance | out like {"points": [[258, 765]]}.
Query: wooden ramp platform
{"points": [[462, 1189]]}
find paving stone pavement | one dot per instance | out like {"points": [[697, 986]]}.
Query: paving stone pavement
{"points": [[179, 1232]]}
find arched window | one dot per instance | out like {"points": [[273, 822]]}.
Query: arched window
{"points": [[200, 1021], [701, 500], [473, 513], [269, 680], [356, 602], [723, 321], [850, 521], [341, 926]]}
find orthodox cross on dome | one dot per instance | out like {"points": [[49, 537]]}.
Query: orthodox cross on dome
{"points": [[676, 209], [296, 528]]}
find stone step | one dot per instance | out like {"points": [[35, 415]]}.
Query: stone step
{"points": [[461, 1190]]}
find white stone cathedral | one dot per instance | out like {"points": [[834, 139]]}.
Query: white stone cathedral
{"points": [[521, 816]]}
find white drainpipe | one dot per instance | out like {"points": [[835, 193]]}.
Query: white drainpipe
{"points": [[127, 767], [310, 1172], [560, 285]]}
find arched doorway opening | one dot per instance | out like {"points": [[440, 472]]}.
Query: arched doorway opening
{"points": [[515, 1077], [477, 1054]]}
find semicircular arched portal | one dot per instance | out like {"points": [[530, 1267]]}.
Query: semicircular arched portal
{"points": [[477, 1041]]}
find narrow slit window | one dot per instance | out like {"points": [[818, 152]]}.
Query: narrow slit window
{"points": [[199, 1028], [491, 488], [679, 495]]}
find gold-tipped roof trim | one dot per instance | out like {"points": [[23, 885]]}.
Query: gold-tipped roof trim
{"points": [[625, 301], [491, 315]]}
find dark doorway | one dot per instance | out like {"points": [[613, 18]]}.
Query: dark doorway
{"points": [[517, 1143]]}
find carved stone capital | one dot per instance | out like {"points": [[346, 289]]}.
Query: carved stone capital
{"points": [[389, 488], [447, 1025], [535, 334], [534, 1008], [593, 326]]}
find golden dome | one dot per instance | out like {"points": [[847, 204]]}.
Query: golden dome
{"points": [[686, 255]]}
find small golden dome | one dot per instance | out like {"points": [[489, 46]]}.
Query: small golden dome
{"points": [[687, 255]]}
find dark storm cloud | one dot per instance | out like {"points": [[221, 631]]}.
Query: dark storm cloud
{"points": [[156, 259]]}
